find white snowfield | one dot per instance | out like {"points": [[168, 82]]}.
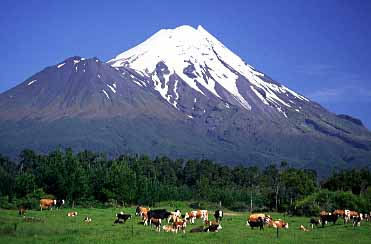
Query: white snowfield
{"points": [[212, 63]]}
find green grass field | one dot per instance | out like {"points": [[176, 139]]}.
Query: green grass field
{"points": [[58, 228]]}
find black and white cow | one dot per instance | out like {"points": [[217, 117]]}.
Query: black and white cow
{"points": [[357, 221], [315, 222], [328, 218], [218, 215], [59, 203], [157, 214], [121, 218]]}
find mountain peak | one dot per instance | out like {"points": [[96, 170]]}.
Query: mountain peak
{"points": [[205, 65]]}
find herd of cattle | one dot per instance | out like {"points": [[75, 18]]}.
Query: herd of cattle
{"points": [[175, 221]]}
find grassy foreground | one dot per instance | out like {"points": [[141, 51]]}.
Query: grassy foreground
{"points": [[57, 228]]}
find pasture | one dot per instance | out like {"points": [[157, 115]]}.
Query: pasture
{"points": [[55, 227]]}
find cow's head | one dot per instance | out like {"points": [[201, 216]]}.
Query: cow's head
{"points": [[55, 202], [268, 219]]}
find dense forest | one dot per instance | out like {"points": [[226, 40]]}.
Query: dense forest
{"points": [[90, 179]]}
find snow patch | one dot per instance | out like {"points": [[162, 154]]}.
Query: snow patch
{"points": [[208, 64], [106, 94], [31, 82], [60, 65], [112, 89]]}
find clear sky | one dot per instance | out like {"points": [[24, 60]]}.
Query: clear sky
{"points": [[321, 49]]}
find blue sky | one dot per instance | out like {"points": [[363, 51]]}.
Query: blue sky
{"points": [[321, 49]]}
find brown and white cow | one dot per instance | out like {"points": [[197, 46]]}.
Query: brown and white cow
{"points": [[349, 214], [46, 203], [258, 220], [279, 223], [168, 228], [156, 223], [72, 214], [21, 211], [141, 210], [208, 223], [302, 227], [180, 225], [175, 216], [196, 214], [213, 228]]}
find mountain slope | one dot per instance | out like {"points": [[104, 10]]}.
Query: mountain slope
{"points": [[180, 93]]}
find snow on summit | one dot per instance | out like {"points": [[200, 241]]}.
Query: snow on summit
{"points": [[208, 63]]}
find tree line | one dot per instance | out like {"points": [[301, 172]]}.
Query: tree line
{"points": [[91, 179]]}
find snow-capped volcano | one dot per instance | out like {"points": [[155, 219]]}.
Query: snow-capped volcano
{"points": [[183, 94], [204, 64]]}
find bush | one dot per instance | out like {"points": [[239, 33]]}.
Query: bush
{"points": [[7, 203], [328, 201]]}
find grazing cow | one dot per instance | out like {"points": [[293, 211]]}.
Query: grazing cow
{"points": [[168, 228], [156, 223], [278, 224], [329, 217], [315, 222], [356, 221], [213, 228], [157, 214], [258, 220], [49, 203], [21, 211], [218, 215], [180, 225], [140, 210], [302, 227], [87, 220], [72, 214], [196, 214], [121, 218]]}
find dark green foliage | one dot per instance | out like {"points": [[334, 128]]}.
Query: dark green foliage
{"points": [[330, 201], [89, 179]]}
